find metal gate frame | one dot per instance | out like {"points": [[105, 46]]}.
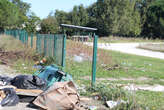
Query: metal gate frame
{"points": [[94, 58]]}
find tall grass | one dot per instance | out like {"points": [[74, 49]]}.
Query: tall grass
{"points": [[19, 56], [80, 49], [10, 44]]}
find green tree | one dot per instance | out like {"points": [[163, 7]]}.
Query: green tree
{"points": [[33, 23], [62, 17], [9, 14], [79, 16], [155, 19], [118, 17], [49, 25], [142, 6], [24, 10]]}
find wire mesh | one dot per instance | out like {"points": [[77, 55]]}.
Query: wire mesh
{"points": [[79, 60], [50, 45], [21, 35]]}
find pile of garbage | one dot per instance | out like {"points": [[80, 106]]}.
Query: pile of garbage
{"points": [[49, 88]]}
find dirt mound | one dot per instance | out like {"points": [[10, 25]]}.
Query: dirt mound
{"points": [[7, 57]]}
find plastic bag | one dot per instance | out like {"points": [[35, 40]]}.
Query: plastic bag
{"points": [[8, 97], [29, 82], [5, 80], [52, 74]]}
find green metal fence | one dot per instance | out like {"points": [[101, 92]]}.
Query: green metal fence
{"points": [[51, 45], [22, 35], [54, 45]]}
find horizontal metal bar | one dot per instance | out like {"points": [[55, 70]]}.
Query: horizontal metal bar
{"points": [[78, 27]]}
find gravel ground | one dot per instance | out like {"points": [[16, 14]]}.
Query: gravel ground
{"points": [[130, 48], [6, 71], [20, 106]]}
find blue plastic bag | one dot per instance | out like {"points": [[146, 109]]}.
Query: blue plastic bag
{"points": [[52, 74]]}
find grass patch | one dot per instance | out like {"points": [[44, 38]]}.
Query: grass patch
{"points": [[127, 82], [139, 66], [130, 66], [24, 66], [153, 47], [152, 100], [135, 100]]}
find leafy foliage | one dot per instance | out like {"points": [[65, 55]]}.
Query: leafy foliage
{"points": [[119, 17], [111, 17], [13, 14], [32, 23], [8, 14], [155, 19], [24, 9], [49, 25]]}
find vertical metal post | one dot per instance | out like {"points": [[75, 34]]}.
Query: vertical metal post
{"points": [[37, 38], [26, 38], [31, 40], [45, 45], [94, 60], [23, 36], [49, 44], [64, 50], [55, 44], [5, 32]]}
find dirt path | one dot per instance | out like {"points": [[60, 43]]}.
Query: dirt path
{"points": [[130, 48]]}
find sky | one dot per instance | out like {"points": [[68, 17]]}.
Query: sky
{"points": [[43, 7]]}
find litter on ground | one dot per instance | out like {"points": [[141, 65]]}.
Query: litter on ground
{"points": [[49, 88]]}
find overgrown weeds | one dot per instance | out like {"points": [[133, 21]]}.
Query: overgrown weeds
{"points": [[16, 54], [14, 49], [9, 43], [109, 92], [86, 52]]}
